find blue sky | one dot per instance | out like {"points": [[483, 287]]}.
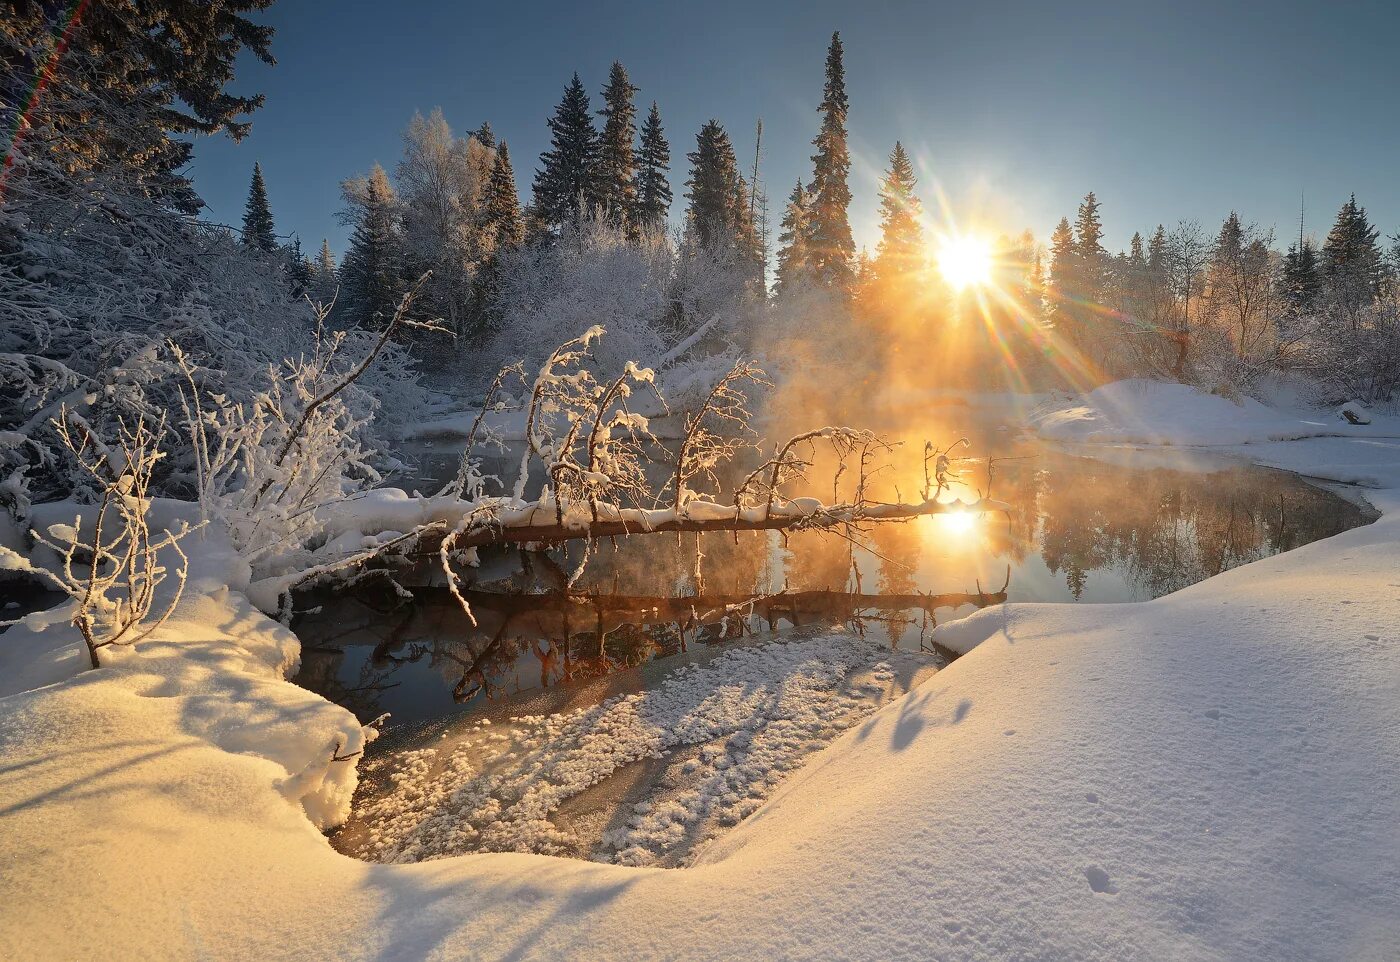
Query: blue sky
{"points": [[1013, 110]]}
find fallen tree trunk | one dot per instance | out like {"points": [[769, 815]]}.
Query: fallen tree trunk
{"points": [[613, 522]]}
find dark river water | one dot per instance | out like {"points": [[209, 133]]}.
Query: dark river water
{"points": [[1125, 526]]}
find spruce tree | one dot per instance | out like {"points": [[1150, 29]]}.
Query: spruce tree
{"points": [[484, 135], [1064, 277], [501, 204], [653, 195], [713, 183], [372, 275], [832, 248], [566, 182], [901, 248], [617, 168], [1089, 250], [131, 78], [258, 231], [1351, 261], [794, 265]]}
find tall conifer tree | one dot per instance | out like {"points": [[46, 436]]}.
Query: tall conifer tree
{"points": [[258, 231], [617, 168], [901, 248], [714, 177], [832, 249], [653, 196], [1351, 261], [501, 203], [566, 184], [372, 275]]}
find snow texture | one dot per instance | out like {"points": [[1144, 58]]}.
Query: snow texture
{"points": [[1209, 775], [1138, 411], [757, 712]]}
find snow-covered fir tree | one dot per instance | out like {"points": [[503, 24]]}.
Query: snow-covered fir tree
{"points": [[653, 194], [163, 71], [258, 231], [566, 183], [831, 248], [1351, 262], [617, 166], [501, 204]]}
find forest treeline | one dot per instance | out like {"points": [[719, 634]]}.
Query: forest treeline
{"points": [[105, 260]]}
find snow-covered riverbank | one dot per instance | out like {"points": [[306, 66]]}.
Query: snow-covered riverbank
{"points": [[1208, 775]]}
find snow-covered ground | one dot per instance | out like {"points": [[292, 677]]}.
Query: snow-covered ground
{"points": [[1208, 775], [1139, 411], [723, 733]]}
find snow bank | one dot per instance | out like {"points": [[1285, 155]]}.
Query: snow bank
{"points": [[1210, 775], [1138, 411], [215, 674]]}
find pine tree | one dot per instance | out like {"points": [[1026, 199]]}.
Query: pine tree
{"points": [[901, 248], [258, 231], [714, 176], [653, 196], [372, 275], [1351, 261], [1064, 277], [831, 245], [484, 135], [501, 204], [617, 169], [566, 182], [132, 77], [1089, 249]]}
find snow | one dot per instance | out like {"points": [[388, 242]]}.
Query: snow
{"points": [[1157, 412], [757, 712], [1210, 775]]}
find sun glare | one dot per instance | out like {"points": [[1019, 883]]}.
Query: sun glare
{"points": [[959, 522], [965, 261]]}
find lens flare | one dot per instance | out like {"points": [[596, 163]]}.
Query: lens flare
{"points": [[965, 261]]}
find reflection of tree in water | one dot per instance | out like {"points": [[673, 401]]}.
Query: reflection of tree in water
{"points": [[899, 547], [1158, 530], [1165, 529]]}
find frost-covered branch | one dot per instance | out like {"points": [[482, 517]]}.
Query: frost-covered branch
{"points": [[112, 569]]}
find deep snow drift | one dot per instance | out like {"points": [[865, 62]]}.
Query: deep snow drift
{"points": [[1208, 775]]}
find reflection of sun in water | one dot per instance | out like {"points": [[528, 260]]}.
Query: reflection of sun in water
{"points": [[959, 523], [965, 261]]}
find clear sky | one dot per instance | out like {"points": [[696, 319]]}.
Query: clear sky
{"points": [[1168, 110]]}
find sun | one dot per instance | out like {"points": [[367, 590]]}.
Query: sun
{"points": [[965, 261]]}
